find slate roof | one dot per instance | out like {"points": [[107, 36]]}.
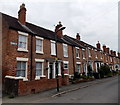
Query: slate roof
{"points": [[69, 39], [13, 23]]}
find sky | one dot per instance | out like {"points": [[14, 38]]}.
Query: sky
{"points": [[94, 20]]}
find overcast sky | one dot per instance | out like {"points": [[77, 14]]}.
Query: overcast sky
{"points": [[95, 20]]}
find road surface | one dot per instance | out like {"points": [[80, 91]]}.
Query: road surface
{"points": [[106, 92], [101, 91]]}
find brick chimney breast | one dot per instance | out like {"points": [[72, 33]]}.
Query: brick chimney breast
{"points": [[114, 52], [104, 48], [111, 52], [22, 14], [78, 36], [98, 45], [59, 33], [118, 54]]}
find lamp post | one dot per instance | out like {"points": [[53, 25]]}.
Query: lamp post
{"points": [[56, 60]]}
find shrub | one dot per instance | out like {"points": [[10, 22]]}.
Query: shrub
{"points": [[109, 74], [83, 77], [104, 71]]}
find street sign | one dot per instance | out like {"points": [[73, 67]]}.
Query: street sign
{"points": [[13, 43]]}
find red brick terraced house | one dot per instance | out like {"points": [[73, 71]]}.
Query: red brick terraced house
{"points": [[29, 53]]}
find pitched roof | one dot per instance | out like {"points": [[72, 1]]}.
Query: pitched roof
{"points": [[13, 23], [70, 40]]}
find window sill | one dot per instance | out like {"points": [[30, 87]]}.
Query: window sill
{"points": [[24, 50], [39, 52], [66, 68], [78, 57], [38, 77], [12, 77], [59, 74], [25, 79], [83, 58], [66, 74], [65, 56], [89, 56], [42, 76], [53, 54]]}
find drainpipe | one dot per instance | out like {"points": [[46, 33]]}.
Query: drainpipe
{"points": [[73, 61]]}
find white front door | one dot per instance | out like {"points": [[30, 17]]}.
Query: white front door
{"points": [[51, 70]]}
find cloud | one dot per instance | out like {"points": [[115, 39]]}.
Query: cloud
{"points": [[93, 19]]}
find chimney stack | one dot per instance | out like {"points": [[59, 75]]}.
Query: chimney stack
{"points": [[114, 52], [98, 45], [104, 48], [78, 36], [118, 54], [111, 52], [22, 14], [59, 33]]}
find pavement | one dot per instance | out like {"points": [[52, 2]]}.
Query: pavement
{"points": [[41, 96]]}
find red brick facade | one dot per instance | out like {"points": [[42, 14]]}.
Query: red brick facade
{"points": [[87, 55]]}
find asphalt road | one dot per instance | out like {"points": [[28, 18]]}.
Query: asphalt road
{"points": [[106, 92], [98, 91]]}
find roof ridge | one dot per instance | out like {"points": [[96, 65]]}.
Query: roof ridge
{"points": [[26, 22]]}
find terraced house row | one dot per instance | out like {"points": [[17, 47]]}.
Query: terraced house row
{"points": [[30, 52]]}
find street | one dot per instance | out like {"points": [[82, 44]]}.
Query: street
{"points": [[98, 91]]}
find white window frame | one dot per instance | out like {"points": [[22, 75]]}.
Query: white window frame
{"points": [[89, 52], [96, 56], [101, 56], [64, 50], [39, 38], [78, 63], [40, 61], [23, 34], [53, 42], [66, 62], [54, 70], [59, 69], [77, 48], [84, 53], [111, 59], [26, 72]]}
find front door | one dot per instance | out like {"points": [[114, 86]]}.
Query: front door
{"points": [[51, 70]]}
